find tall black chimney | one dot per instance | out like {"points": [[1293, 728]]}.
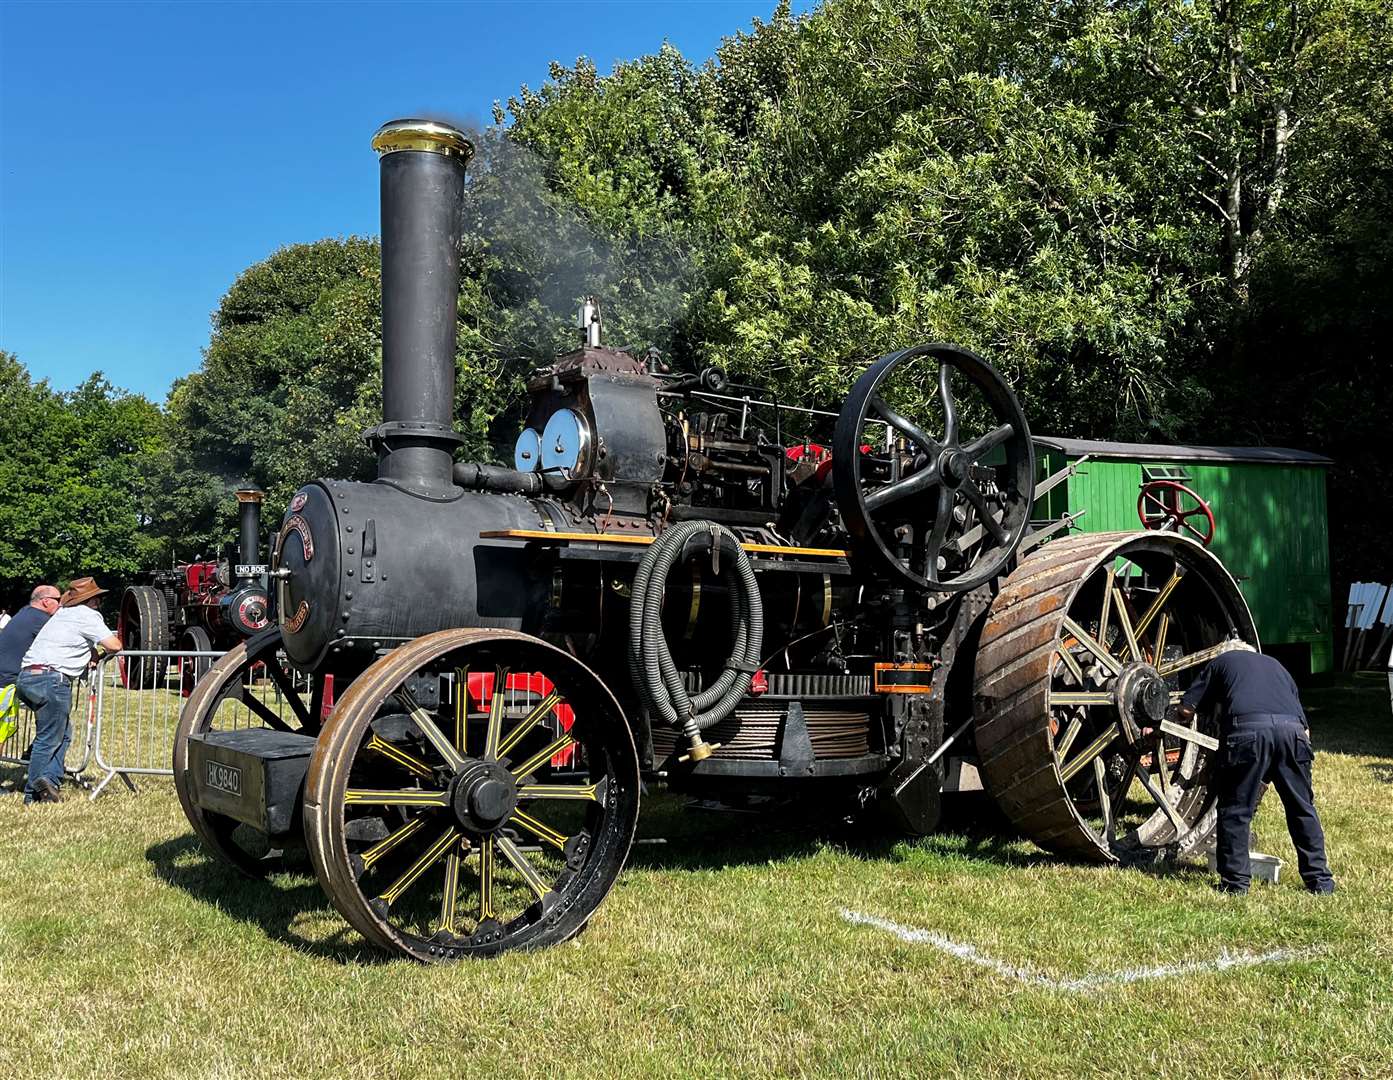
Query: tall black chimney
{"points": [[423, 166], [249, 539]]}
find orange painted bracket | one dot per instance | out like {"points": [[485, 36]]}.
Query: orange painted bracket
{"points": [[903, 678]]}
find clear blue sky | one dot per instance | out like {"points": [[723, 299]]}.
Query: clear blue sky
{"points": [[151, 152]]}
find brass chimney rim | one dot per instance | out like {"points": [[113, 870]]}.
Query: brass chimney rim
{"points": [[415, 134]]}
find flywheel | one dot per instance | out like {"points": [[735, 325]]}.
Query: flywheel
{"points": [[1089, 642]]}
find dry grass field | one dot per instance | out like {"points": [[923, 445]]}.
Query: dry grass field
{"points": [[723, 951]]}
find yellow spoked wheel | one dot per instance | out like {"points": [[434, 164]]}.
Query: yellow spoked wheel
{"points": [[474, 791]]}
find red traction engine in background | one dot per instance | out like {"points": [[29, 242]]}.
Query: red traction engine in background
{"points": [[201, 607]]}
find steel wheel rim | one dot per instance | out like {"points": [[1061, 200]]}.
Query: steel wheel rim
{"points": [[408, 863]]}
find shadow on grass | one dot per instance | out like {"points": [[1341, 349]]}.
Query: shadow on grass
{"points": [[273, 905], [1382, 773], [678, 833], [1350, 717]]}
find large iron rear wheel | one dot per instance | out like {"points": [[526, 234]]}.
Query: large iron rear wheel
{"points": [[1089, 642], [434, 813]]}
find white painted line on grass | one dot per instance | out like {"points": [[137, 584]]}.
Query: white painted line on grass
{"points": [[1083, 984]]}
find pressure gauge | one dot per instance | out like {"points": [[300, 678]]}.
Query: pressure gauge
{"points": [[566, 444], [527, 452]]}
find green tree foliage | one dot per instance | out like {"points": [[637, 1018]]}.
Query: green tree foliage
{"points": [[1159, 218], [75, 500]]}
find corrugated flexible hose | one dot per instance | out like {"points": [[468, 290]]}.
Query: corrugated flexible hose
{"points": [[656, 678]]}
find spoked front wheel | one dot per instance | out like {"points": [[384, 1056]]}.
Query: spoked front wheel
{"points": [[474, 791]]}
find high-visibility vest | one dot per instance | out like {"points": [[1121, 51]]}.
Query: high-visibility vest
{"points": [[9, 713]]}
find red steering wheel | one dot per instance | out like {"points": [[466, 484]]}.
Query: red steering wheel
{"points": [[1159, 515]]}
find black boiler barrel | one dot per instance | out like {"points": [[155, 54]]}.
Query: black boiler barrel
{"points": [[422, 166]]}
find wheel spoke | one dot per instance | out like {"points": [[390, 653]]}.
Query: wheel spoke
{"points": [[1191, 529], [462, 710], [1106, 613], [1087, 754], [1157, 604], [1194, 659], [942, 517], [534, 880], [1088, 642], [267, 714], [292, 695], [390, 843], [495, 725], [1071, 664], [950, 408], [1125, 621], [913, 484], [541, 757], [427, 859], [1061, 751], [1160, 794], [449, 894], [988, 518], [1180, 731], [978, 448], [1080, 697], [540, 830], [405, 759], [431, 730], [583, 792], [486, 878], [527, 722], [1163, 626], [403, 797], [905, 425], [1100, 778]]}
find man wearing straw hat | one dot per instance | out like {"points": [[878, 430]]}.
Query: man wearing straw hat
{"points": [[59, 655]]}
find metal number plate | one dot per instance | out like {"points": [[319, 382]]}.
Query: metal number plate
{"points": [[226, 778]]}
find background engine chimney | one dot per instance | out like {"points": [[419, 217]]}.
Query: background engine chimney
{"points": [[423, 166], [249, 526]]}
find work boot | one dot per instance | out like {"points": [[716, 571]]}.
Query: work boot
{"points": [[45, 790]]}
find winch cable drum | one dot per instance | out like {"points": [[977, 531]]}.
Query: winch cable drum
{"points": [[656, 679]]}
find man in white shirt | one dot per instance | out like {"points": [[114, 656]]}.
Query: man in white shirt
{"points": [[60, 654]]}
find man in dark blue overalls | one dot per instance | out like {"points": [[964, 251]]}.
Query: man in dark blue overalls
{"points": [[1265, 740]]}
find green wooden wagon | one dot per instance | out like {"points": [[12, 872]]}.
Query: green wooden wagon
{"points": [[1269, 523]]}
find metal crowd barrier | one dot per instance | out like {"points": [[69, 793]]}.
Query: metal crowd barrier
{"points": [[139, 695], [82, 716], [126, 711]]}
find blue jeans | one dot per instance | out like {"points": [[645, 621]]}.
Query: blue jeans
{"points": [[50, 695]]}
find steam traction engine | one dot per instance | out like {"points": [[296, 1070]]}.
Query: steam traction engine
{"points": [[211, 604], [679, 582]]}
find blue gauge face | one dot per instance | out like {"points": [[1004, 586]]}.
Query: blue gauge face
{"points": [[566, 443], [527, 452]]}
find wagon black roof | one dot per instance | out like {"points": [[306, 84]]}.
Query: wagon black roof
{"points": [[1267, 455]]}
